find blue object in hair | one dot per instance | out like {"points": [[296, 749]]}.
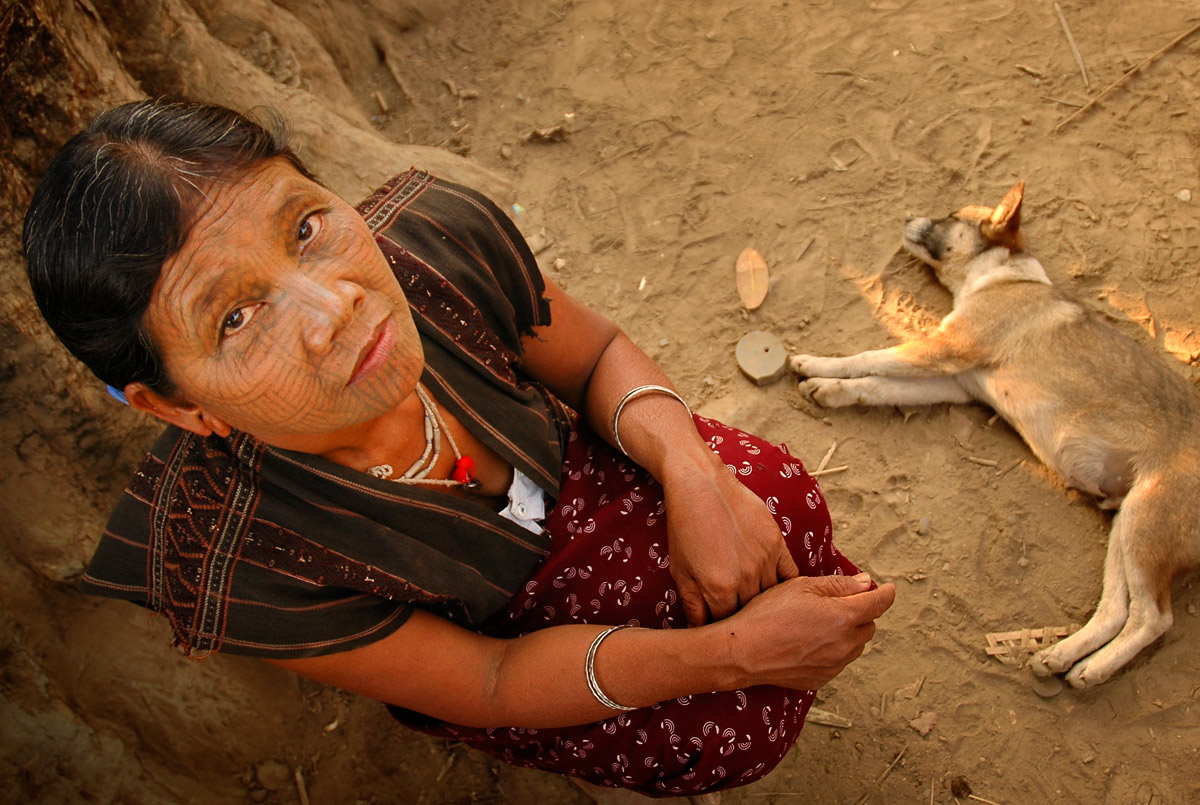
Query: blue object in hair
{"points": [[117, 394]]}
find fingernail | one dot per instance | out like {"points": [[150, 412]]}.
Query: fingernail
{"points": [[865, 578]]}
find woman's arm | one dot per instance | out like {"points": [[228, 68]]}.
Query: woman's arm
{"points": [[725, 547], [798, 635]]}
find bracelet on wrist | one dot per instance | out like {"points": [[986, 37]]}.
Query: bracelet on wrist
{"points": [[589, 670], [633, 393]]}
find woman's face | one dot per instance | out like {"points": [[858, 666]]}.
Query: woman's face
{"points": [[280, 316]]}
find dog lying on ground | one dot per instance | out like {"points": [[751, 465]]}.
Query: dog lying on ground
{"points": [[1098, 409]]}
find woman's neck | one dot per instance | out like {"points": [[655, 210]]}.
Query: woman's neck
{"points": [[387, 438]]}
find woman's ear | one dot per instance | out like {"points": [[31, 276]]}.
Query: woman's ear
{"points": [[179, 413]]}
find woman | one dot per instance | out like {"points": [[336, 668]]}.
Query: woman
{"points": [[373, 474]]}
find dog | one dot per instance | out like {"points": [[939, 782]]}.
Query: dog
{"points": [[1100, 411]]}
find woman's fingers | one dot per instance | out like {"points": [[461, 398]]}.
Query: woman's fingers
{"points": [[695, 608], [785, 566], [724, 600], [878, 601], [811, 628]]}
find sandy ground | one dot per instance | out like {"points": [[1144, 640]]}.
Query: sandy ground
{"points": [[691, 130]]}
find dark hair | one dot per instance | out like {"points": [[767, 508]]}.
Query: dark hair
{"points": [[115, 203]]}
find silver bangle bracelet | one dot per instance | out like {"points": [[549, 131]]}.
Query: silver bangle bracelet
{"points": [[589, 670], [638, 391]]}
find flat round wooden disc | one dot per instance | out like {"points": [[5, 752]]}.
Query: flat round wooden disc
{"points": [[761, 357]]}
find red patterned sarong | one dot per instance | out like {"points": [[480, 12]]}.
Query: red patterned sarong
{"points": [[608, 564]]}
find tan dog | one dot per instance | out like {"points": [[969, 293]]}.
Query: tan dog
{"points": [[1096, 407]]}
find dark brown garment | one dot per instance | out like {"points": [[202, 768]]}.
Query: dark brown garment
{"points": [[254, 550]]}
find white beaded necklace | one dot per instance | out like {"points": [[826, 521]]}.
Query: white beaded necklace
{"points": [[464, 466]]}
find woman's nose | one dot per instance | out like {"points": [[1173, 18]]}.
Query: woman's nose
{"points": [[327, 309]]}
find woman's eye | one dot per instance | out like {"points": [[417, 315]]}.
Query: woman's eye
{"points": [[307, 230], [237, 320]]}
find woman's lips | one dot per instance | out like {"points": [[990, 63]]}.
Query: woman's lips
{"points": [[377, 352]]}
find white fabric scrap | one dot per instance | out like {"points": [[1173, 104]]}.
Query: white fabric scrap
{"points": [[526, 503]]}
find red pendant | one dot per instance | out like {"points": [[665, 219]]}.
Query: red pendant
{"points": [[464, 470]]}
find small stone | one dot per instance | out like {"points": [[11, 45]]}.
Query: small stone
{"points": [[559, 264], [258, 795], [1184, 195], [273, 776], [959, 787], [924, 526], [761, 357], [506, 151], [1191, 609], [924, 723], [1026, 119], [1046, 686]]}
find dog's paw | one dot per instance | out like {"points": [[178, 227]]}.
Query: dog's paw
{"points": [[1051, 660], [1087, 674], [1038, 665], [816, 366], [828, 392], [797, 364]]}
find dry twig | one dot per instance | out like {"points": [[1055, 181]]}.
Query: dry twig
{"points": [[1010, 468], [984, 462], [301, 789], [830, 471], [981, 799], [1071, 41], [446, 767], [804, 248], [826, 719], [891, 765], [1071, 104], [390, 64], [828, 455], [1127, 76]]}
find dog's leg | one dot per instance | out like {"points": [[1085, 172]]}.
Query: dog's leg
{"points": [[1111, 614], [948, 351], [1159, 536], [1135, 607], [872, 362], [838, 393]]}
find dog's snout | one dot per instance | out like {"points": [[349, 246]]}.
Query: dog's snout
{"points": [[916, 229]]}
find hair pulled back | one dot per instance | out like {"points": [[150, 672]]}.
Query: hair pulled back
{"points": [[114, 205]]}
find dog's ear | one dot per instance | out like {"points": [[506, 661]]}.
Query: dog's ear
{"points": [[1005, 220]]}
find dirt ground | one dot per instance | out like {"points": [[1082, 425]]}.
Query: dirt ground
{"points": [[673, 135]]}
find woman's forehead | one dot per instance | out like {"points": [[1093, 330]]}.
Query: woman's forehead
{"points": [[237, 220], [250, 199]]}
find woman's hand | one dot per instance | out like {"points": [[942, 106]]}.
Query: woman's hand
{"points": [[799, 634], [725, 546], [803, 632]]}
